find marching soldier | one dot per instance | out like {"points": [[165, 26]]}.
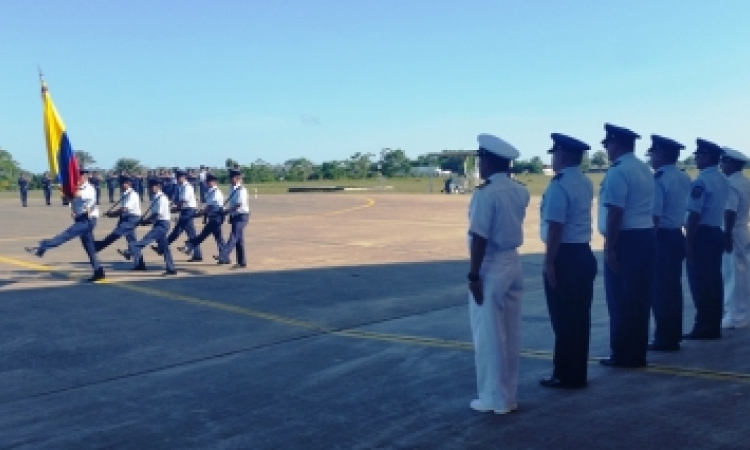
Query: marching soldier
{"points": [[23, 189], [214, 213], [495, 277], [203, 185], [626, 222], [111, 184], [85, 214], [129, 215], [569, 263], [47, 188], [239, 215], [159, 214], [671, 190], [186, 206], [736, 241], [705, 241]]}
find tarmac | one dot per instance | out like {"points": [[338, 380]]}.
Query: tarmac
{"points": [[348, 330]]}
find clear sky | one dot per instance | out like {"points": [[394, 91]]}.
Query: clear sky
{"points": [[194, 82]]}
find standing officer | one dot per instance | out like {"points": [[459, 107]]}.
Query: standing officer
{"points": [[239, 215], [736, 241], [23, 188], [214, 213], [111, 183], [495, 276], [159, 214], [186, 205], [626, 222], [569, 263], [47, 188], [96, 182], [203, 186], [671, 190], [84, 213], [129, 215], [705, 241]]}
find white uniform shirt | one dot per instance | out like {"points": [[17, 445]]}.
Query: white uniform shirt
{"points": [[186, 195], [214, 199], [202, 176], [739, 199], [160, 206], [239, 198], [671, 192], [87, 200], [496, 213], [629, 184], [568, 200], [131, 202], [708, 196]]}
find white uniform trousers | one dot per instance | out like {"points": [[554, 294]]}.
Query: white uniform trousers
{"points": [[736, 274], [495, 327]]}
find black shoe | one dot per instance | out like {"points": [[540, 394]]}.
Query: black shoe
{"points": [[156, 249], [195, 260], [98, 276], [557, 383], [609, 362], [141, 268], [169, 273], [695, 336], [34, 251], [655, 347], [124, 253]]}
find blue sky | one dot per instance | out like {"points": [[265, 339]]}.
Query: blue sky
{"points": [[195, 82]]}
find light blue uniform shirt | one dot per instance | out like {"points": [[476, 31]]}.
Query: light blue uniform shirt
{"points": [[568, 200], [496, 213], [670, 196], [629, 184], [708, 196]]}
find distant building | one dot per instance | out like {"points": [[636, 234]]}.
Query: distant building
{"points": [[547, 170]]}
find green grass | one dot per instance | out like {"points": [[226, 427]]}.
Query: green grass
{"points": [[535, 183]]}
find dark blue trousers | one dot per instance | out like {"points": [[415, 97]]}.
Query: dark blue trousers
{"points": [[185, 223], [111, 192], [81, 228], [236, 239], [667, 302], [212, 227], [98, 194], [203, 191], [158, 234], [569, 305], [706, 283], [126, 226], [47, 195], [629, 295], [24, 196]]}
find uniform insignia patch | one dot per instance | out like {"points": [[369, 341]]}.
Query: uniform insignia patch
{"points": [[697, 192]]}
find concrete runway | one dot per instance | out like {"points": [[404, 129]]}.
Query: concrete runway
{"points": [[349, 330]]}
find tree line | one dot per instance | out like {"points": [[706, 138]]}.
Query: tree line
{"points": [[389, 163]]}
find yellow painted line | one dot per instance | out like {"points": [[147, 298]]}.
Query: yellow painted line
{"points": [[736, 377]]}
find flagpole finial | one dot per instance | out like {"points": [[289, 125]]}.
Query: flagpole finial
{"points": [[41, 80]]}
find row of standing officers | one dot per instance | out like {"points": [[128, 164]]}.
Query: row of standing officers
{"points": [[651, 220]]}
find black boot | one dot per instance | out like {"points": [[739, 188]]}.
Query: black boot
{"points": [[98, 275]]}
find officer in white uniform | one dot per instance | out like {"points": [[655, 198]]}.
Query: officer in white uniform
{"points": [[569, 263], [626, 222], [705, 241], [85, 214], [128, 212], [214, 214], [238, 207], [496, 215], [670, 205], [186, 207], [736, 241], [159, 215]]}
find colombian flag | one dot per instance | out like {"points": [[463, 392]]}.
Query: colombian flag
{"points": [[63, 165]]}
